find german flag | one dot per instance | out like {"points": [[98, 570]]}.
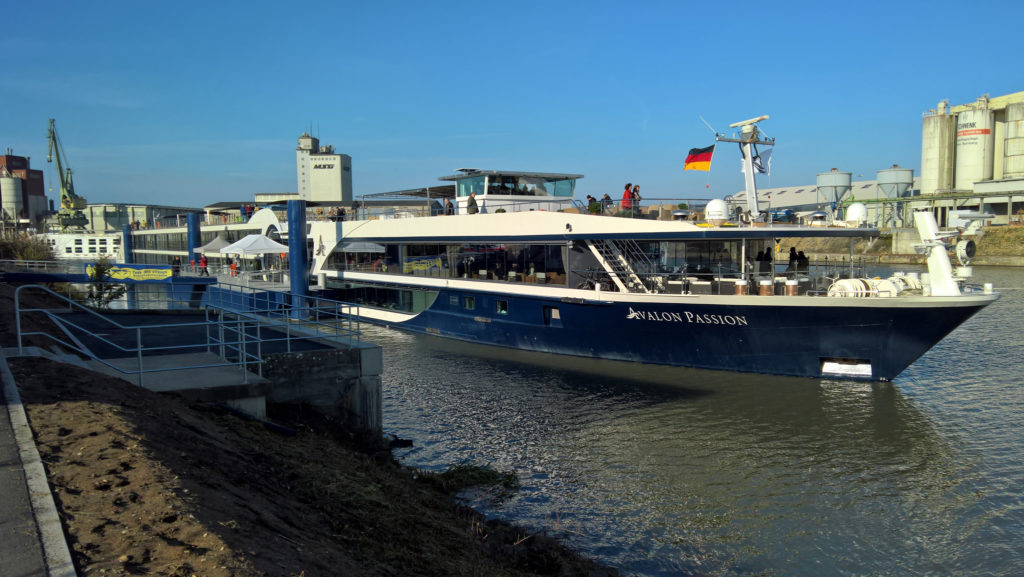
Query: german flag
{"points": [[699, 158]]}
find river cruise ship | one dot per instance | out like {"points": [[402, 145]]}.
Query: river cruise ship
{"points": [[529, 271]]}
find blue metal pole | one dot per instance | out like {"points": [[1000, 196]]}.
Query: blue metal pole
{"points": [[193, 236], [298, 260], [126, 244]]}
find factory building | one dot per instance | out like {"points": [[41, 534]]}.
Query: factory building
{"points": [[323, 175], [22, 194], [972, 159]]}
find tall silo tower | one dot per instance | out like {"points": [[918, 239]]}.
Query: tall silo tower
{"points": [[10, 196], [974, 146], [1013, 145], [937, 146]]}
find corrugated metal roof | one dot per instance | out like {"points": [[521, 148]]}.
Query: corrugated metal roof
{"points": [[801, 196]]}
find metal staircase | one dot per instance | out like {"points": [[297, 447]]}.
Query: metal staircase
{"points": [[625, 261]]}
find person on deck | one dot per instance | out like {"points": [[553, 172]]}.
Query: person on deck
{"points": [[627, 197], [471, 207]]}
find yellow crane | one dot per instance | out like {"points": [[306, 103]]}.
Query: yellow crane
{"points": [[71, 204]]}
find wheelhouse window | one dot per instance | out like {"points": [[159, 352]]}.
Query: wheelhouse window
{"points": [[530, 186], [472, 184]]}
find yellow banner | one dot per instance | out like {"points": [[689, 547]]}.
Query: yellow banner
{"points": [[135, 274], [415, 264]]}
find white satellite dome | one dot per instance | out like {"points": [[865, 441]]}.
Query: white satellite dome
{"points": [[856, 214], [716, 212]]}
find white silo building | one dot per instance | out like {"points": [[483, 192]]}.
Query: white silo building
{"points": [[972, 156]]}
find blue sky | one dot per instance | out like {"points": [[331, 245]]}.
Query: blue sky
{"points": [[187, 103]]}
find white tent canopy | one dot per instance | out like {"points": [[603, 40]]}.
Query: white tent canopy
{"points": [[254, 244], [362, 247], [213, 246]]}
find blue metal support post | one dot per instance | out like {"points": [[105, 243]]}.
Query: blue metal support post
{"points": [[298, 259]]}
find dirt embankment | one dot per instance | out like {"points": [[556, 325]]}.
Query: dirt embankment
{"points": [[150, 484]]}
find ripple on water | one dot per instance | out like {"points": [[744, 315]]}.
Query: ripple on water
{"points": [[666, 471]]}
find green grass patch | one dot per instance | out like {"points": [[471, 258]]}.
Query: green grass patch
{"points": [[459, 477]]}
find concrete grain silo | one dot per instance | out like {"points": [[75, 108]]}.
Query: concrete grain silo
{"points": [[974, 147], [937, 146], [10, 195], [1013, 145]]}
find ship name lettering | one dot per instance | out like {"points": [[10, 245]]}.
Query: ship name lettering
{"points": [[689, 317], [732, 320]]}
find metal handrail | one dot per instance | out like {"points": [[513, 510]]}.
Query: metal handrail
{"points": [[320, 317], [63, 265], [237, 345]]}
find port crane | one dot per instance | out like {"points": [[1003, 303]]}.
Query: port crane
{"points": [[71, 204]]}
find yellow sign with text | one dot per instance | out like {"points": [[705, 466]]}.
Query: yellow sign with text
{"points": [[124, 273]]}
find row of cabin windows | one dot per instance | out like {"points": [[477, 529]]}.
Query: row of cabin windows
{"points": [[92, 242], [79, 250], [551, 314]]}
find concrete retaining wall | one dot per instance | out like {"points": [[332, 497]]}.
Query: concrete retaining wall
{"points": [[343, 383]]}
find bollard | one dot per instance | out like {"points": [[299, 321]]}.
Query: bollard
{"points": [[740, 287], [792, 288]]}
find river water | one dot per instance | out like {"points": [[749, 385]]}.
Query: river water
{"points": [[667, 471]]}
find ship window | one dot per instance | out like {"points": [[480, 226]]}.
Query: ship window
{"points": [[468, 185], [501, 307], [78, 241], [453, 300], [67, 249], [552, 317], [469, 303], [92, 241], [78, 249]]}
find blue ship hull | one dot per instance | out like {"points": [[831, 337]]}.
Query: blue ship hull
{"points": [[783, 340]]}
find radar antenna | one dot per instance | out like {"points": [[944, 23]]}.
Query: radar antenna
{"points": [[749, 137]]}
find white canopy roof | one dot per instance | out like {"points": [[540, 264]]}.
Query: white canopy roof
{"points": [[213, 246], [254, 244]]}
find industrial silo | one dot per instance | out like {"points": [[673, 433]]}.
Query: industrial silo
{"points": [[10, 195], [1013, 146], [895, 182], [974, 147], [832, 186], [937, 152]]}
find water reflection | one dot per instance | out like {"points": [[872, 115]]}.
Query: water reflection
{"points": [[663, 470]]}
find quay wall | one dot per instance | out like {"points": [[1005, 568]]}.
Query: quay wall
{"points": [[344, 383]]}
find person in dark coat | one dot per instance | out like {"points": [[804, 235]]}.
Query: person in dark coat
{"points": [[471, 207]]}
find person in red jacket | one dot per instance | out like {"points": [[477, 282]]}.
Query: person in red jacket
{"points": [[627, 197]]}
